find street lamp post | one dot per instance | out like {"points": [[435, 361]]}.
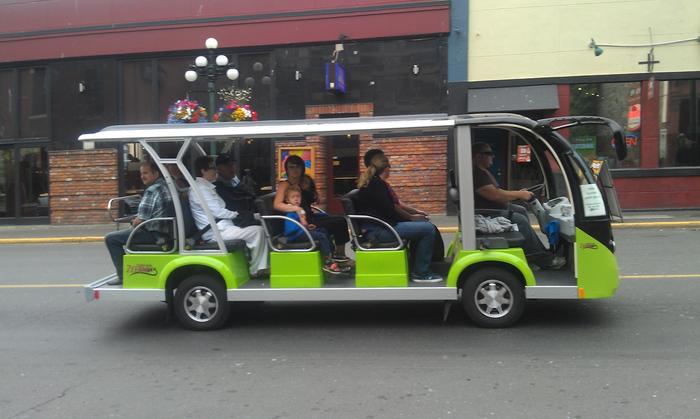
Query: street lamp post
{"points": [[212, 67]]}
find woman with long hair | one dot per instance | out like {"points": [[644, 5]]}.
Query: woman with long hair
{"points": [[375, 199], [336, 226]]}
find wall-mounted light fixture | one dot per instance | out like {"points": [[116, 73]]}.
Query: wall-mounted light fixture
{"points": [[297, 75], [416, 69], [650, 61], [82, 87]]}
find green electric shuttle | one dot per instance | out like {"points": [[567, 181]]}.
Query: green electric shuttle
{"points": [[487, 273]]}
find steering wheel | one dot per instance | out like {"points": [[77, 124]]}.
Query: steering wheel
{"points": [[536, 189]]}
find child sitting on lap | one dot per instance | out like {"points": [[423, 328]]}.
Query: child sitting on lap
{"points": [[294, 233]]}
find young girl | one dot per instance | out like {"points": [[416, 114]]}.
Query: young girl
{"points": [[293, 233]]}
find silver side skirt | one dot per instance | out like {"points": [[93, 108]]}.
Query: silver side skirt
{"points": [[344, 294], [552, 292]]}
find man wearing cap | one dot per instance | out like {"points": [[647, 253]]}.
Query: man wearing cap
{"points": [[235, 194]]}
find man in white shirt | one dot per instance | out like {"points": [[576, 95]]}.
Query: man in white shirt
{"points": [[254, 236]]}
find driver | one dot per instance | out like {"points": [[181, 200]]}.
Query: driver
{"points": [[489, 195]]}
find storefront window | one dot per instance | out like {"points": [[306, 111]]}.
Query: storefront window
{"points": [[138, 99], [621, 102], [7, 105], [34, 120], [679, 116]]}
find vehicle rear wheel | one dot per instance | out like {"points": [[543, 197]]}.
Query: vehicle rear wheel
{"points": [[200, 303], [493, 297]]}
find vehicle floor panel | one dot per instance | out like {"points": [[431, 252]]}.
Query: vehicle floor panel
{"points": [[555, 277]]}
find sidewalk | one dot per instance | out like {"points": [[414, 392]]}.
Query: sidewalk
{"points": [[33, 234]]}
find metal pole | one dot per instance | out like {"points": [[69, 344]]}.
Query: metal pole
{"points": [[211, 88]]}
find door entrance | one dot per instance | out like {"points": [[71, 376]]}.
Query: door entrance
{"points": [[23, 184], [343, 171], [343, 165]]}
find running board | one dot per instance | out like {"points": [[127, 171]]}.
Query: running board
{"points": [[344, 294], [552, 292]]}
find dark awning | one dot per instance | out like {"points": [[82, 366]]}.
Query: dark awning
{"points": [[510, 99]]}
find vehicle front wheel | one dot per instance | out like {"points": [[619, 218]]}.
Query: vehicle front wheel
{"points": [[200, 303], [493, 297]]}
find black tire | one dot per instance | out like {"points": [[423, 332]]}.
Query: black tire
{"points": [[493, 297], [200, 303]]}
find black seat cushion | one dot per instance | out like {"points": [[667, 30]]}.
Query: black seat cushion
{"points": [[349, 201], [512, 238]]}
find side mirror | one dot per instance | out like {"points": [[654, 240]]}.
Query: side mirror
{"points": [[618, 140]]}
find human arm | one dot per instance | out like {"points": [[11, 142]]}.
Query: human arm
{"points": [[502, 196], [375, 199]]}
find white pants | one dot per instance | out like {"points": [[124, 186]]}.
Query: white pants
{"points": [[254, 237]]}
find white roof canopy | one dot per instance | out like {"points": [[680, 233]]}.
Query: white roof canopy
{"points": [[272, 129]]}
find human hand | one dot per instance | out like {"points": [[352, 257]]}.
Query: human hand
{"points": [[419, 217], [311, 226], [525, 195]]}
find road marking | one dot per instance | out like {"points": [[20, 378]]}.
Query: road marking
{"points": [[674, 276], [50, 240], [41, 286]]}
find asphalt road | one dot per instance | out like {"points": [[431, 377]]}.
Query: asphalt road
{"points": [[635, 355]]}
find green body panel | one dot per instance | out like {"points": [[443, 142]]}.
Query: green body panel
{"points": [[296, 270], [381, 268], [151, 271], [597, 267], [512, 256], [454, 247]]}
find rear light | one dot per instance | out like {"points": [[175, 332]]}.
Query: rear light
{"points": [[581, 293], [96, 295]]}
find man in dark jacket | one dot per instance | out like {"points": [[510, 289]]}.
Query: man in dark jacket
{"points": [[235, 194]]}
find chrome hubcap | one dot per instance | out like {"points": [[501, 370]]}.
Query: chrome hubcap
{"points": [[493, 298], [201, 304]]}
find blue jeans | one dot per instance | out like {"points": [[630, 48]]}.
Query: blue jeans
{"points": [[533, 247], [321, 238], [421, 234], [116, 241]]}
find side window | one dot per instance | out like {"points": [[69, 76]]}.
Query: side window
{"points": [[556, 176], [525, 167]]}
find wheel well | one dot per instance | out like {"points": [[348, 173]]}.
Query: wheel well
{"points": [[481, 265], [180, 274]]}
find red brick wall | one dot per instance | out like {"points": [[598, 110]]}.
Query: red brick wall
{"points": [[418, 169], [658, 192], [80, 184], [419, 164]]}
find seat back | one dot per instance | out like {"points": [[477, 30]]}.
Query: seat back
{"points": [[265, 206], [187, 217], [274, 228], [349, 201]]}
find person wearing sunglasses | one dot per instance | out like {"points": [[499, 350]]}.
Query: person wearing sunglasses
{"points": [[489, 195]]}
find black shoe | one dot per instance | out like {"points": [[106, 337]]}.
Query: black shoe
{"points": [[340, 258], [116, 281]]}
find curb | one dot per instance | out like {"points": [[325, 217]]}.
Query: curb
{"points": [[450, 229]]}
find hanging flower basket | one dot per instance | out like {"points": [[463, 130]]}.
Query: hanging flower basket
{"points": [[233, 112], [185, 111]]}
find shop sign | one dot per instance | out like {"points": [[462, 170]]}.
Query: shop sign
{"points": [[524, 154]]}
